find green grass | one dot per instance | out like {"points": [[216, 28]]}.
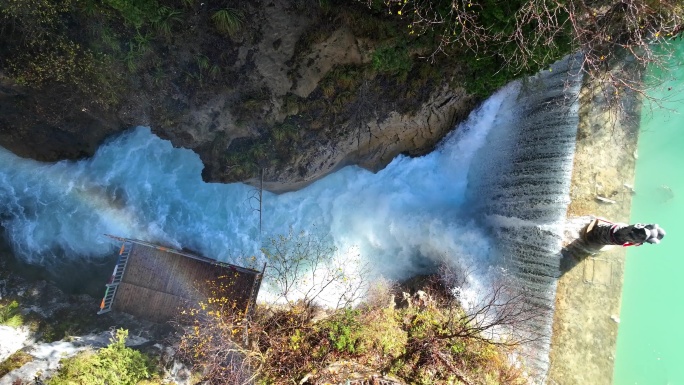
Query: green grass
{"points": [[228, 20]]}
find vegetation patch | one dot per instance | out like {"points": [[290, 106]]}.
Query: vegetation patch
{"points": [[10, 313], [228, 20], [344, 331], [392, 60], [419, 346], [15, 361], [114, 364], [431, 341], [500, 41], [94, 47]]}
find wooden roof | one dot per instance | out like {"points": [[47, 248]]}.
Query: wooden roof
{"points": [[158, 281]]}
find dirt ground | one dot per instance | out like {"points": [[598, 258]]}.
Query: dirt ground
{"points": [[589, 292]]}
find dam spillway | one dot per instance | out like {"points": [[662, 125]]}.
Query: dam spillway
{"points": [[519, 186]]}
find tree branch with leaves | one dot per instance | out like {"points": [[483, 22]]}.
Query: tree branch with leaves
{"points": [[524, 36]]}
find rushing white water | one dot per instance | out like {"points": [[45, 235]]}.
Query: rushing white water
{"points": [[403, 219], [519, 186]]}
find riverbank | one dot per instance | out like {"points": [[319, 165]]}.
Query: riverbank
{"points": [[589, 291]]}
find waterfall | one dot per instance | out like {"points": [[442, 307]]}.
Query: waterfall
{"points": [[519, 186], [491, 197]]}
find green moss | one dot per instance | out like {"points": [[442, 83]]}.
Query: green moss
{"points": [[15, 361], [62, 324], [10, 314]]}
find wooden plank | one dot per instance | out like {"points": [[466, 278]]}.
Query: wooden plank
{"points": [[148, 304]]}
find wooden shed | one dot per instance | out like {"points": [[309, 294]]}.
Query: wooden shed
{"points": [[153, 282]]}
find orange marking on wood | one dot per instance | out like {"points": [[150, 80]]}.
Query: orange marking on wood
{"points": [[122, 248]]}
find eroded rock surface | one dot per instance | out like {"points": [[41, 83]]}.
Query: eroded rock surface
{"points": [[292, 65]]}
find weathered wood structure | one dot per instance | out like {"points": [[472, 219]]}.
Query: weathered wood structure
{"points": [[153, 282]]}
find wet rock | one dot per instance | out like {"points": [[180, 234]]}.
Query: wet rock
{"points": [[12, 339]]}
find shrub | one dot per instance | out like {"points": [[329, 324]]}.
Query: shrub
{"points": [[45, 53], [344, 330], [435, 343], [115, 364], [383, 332], [164, 20]]}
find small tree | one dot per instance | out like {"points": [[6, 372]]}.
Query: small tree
{"points": [[501, 315], [213, 342], [303, 267]]}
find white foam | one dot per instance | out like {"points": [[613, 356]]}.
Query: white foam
{"points": [[402, 220]]}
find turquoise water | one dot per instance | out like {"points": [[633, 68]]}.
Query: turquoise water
{"points": [[650, 346]]}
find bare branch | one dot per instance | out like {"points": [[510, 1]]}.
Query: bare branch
{"points": [[306, 267]]}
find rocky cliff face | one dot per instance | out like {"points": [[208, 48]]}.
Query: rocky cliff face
{"points": [[293, 93]]}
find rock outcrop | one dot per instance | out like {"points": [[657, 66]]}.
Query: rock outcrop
{"points": [[293, 65]]}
